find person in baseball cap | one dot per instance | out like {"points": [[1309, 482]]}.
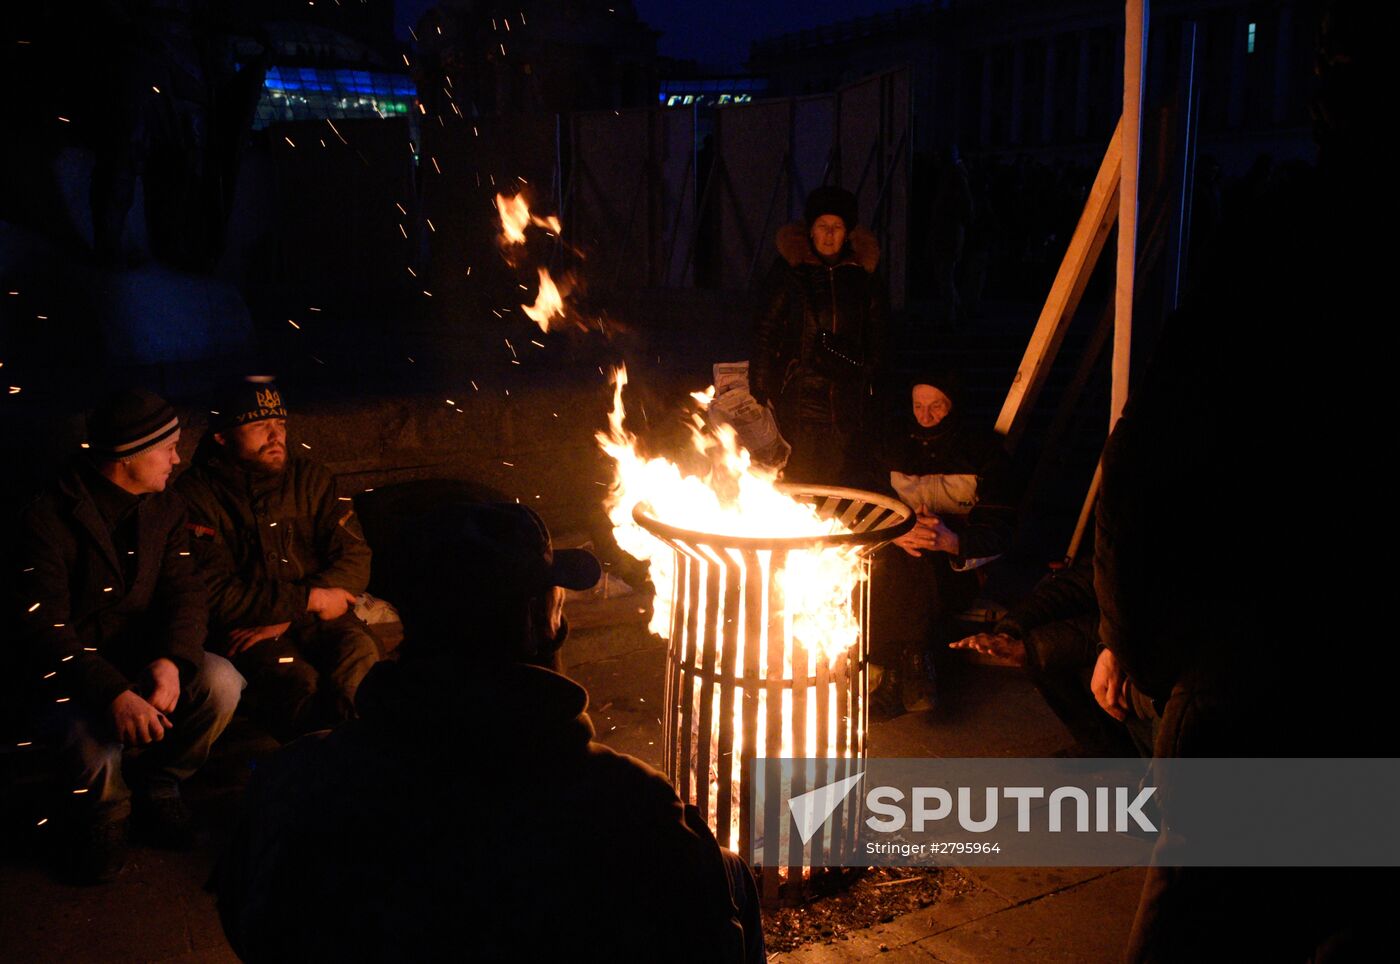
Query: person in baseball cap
{"points": [[474, 791], [485, 576]]}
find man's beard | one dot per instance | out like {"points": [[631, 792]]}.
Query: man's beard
{"points": [[261, 461]]}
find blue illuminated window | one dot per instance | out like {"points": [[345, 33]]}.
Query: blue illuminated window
{"points": [[1249, 39], [310, 93]]}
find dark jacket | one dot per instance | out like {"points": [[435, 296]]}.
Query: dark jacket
{"points": [[820, 322], [263, 541], [1064, 595], [86, 615], [537, 844], [967, 469]]}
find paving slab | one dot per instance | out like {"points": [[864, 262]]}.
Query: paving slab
{"points": [[982, 711], [1084, 923], [48, 921], [1020, 884]]}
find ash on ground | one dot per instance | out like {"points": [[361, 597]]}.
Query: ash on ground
{"points": [[879, 896]]}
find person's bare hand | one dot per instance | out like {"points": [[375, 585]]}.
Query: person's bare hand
{"points": [[329, 603], [165, 685], [241, 640], [929, 533], [915, 541], [943, 538], [1110, 686], [136, 721], [999, 646]]}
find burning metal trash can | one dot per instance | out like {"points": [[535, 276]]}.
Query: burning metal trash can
{"points": [[767, 658]]}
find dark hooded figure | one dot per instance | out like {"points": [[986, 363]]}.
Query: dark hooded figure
{"points": [[955, 475], [468, 806], [819, 339]]}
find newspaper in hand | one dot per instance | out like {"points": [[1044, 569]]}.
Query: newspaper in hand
{"points": [[731, 376], [753, 423]]}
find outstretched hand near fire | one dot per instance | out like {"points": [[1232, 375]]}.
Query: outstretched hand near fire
{"points": [[929, 533], [999, 647]]}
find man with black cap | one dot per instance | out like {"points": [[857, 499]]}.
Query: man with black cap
{"points": [[112, 624], [532, 843], [819, 339], [955, 475], [284, 560]]}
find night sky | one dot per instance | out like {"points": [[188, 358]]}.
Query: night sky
{"points": [[715, 32]]}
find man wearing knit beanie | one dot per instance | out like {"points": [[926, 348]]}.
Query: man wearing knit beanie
{"points": [[284, 560], [112, 623]]}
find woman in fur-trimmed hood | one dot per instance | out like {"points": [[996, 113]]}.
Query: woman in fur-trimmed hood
{"points": [[819, 339]]}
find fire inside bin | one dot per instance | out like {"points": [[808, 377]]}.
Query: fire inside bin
{"points": [[762, 590]]}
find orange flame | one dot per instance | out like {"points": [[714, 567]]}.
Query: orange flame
{"points": [[736, 498], [516, 217], [549, 304]]}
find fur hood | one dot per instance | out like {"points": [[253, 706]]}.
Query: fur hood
{"points": [[795, 246]]}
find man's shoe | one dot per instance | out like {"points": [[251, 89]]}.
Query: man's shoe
{"points": [[165, 822], [97, 852]]}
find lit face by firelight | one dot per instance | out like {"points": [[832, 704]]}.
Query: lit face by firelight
{"points": [[930, 405], [149, 471], [261, 445], [828, 235]]}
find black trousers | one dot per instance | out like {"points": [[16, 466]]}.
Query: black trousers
{"points": [[1060, 658], [912, 601], [1318, 914], [306, 679]]}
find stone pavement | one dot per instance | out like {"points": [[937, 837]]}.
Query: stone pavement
{"points": [[157, 910], [998, 913], [1076, 914]]}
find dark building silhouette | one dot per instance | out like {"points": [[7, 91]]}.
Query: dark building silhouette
{"points": [[370, 21], [1020, 76], [480, 57]]}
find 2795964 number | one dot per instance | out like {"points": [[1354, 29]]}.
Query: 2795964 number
{"points": [[963, 847]]}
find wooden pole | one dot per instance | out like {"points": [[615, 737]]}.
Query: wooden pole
{"points": [[1086, 512], [1100, 211], [1134, 47]]}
